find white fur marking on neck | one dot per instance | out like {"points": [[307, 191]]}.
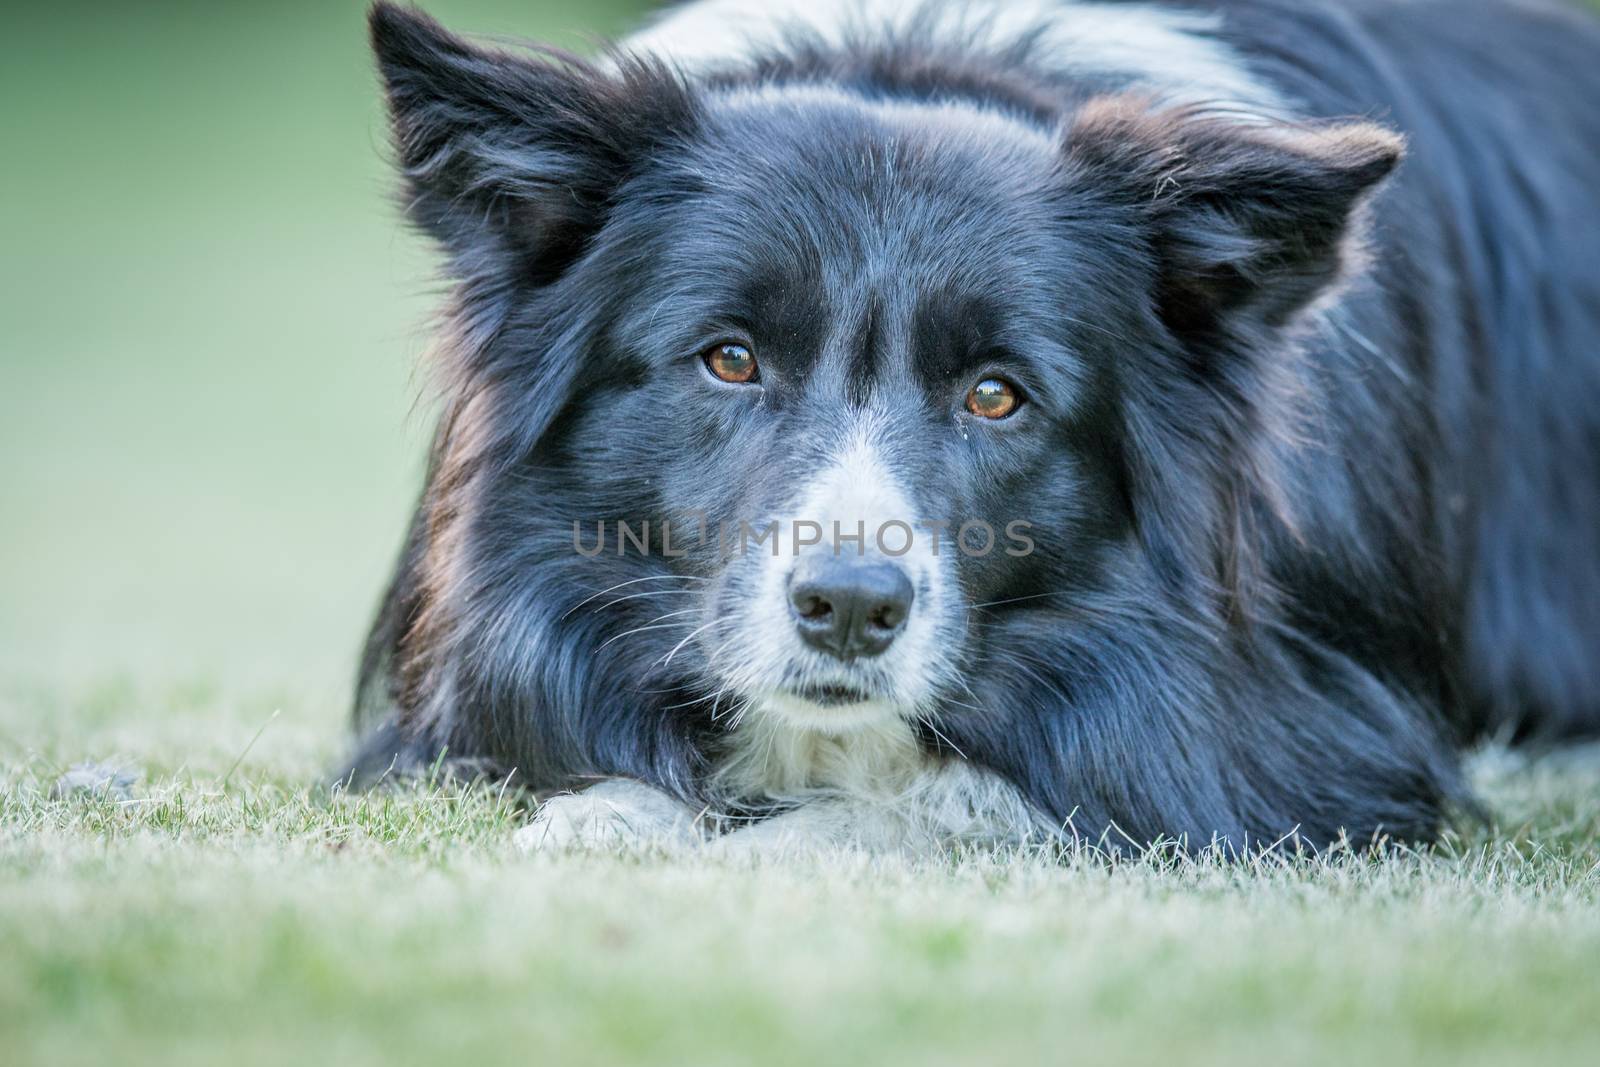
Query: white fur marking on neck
{"points": [[1174, 55]]}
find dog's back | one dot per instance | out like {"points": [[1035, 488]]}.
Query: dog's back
{"points": [[1502, 103], [1483, 305]]}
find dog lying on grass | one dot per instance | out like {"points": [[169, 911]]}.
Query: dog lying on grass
{"points": [[895, 424]]}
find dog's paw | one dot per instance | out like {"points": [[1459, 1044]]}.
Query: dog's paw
{"points": [[613, 816], [824, 828]]}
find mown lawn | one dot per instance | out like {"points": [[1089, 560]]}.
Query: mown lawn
{"points": [[224, 913], [208, 319]]}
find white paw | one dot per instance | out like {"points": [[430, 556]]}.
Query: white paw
{"points": [[613, 816], [822, 827]]}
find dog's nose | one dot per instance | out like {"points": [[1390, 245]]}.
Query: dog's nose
{"points": [[848, 608]]}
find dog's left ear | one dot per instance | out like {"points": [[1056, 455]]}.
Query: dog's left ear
{"points": [[1248, 223], [511, 157], [1242, 227]]}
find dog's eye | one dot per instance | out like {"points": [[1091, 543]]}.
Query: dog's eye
{"points": [[732, 363], [993, 398]]}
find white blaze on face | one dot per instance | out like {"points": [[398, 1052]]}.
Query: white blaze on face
{"points": [[1174, 55], [859, 504], [859, 493]]}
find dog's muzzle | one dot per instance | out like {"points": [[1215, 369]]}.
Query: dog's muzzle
{"points": [[849, 608]]}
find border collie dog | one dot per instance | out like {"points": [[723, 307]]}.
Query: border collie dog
{"points": [[897, 425]]}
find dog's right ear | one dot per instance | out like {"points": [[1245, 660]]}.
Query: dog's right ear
{"points": [[510, 158]]}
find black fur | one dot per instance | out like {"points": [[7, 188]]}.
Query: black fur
{"points": [[1290, 559]]}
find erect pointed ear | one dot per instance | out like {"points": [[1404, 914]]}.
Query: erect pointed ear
{"points": [[1248, 223], [510, 158]]}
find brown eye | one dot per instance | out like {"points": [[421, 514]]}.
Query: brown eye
{"points": [[993, 398], [732, 363]]}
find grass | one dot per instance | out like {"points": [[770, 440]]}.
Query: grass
{"points": [[208, 318], [227, 913]]}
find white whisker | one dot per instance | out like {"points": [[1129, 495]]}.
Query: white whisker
{"points": [[651, 625], [667, 659], [633, 581]]}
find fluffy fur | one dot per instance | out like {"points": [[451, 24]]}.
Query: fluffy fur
{"points": [[1310, 447]]}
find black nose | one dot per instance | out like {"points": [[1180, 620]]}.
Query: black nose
{"points": [[849, 608]]}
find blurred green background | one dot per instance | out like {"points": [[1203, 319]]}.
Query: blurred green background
{"points": [[210, 321]]}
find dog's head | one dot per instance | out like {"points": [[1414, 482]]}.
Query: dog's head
{"points": [[894, 368]]}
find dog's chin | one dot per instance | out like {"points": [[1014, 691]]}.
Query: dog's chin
{"points": [[831, 710]]}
